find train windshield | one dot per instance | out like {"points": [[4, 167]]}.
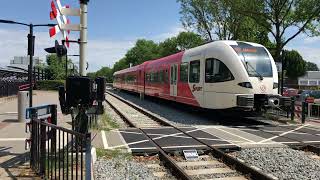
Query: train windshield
{"points": [[255, 59]]}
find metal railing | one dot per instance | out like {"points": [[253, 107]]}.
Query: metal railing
{"points": [[10, 87], [57, 152]]}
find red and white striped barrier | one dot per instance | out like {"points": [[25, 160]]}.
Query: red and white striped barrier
{"points": [[298, 111], [25, 87]]}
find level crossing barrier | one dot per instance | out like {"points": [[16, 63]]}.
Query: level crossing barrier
{"points": [[57, 152]]}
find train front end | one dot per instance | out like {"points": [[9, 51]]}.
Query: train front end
{"points": [[262, 78]]}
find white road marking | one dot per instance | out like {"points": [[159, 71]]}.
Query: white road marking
{"points": [[235, 135], [287, 132], [12, 139], [104, 139]]}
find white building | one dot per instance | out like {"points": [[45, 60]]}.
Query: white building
{"points": [[23, 62], [311, 78]]}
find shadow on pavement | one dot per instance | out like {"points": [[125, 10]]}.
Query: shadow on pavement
{"points": [[14, 165]]}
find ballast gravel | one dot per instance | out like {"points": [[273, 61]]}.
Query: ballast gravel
{"points": [[121, 169], [283, 163], [114, 116]]}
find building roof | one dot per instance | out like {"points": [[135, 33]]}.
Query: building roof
{"points": [[311, 75], [11, 71]]}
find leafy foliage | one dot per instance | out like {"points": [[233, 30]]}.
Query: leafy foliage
{"points": [[49, 84], [56, 67], [220, 18], [277, 17], [145, 50], [142, 51], [295, 66], [312, 66]]}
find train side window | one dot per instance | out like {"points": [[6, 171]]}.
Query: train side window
{"points": [[184, 72], [217, 71], [161, 76], [194, 73], [166, 76]]}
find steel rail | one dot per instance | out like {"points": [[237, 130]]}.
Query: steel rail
{"points": [[178, 171], [230, 161]]}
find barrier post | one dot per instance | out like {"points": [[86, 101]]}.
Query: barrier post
{"points": [[88, 157], [303, 113], [292, 108], [42, 150]]}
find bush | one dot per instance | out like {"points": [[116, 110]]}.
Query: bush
{"points": [[49, 84]]}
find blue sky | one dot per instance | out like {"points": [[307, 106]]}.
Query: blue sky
{"points": [[114, 26]]}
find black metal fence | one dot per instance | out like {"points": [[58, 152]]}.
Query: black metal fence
{"points": [[57, 152], [10, 87]]}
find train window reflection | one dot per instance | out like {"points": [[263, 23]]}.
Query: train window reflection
{"points": [[194, 73], [217, 71], [184, 72]]}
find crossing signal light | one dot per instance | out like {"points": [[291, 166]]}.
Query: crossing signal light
{"points": [[60, 50]]}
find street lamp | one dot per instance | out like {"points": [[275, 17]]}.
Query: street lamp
{"points": [[31, 41]]}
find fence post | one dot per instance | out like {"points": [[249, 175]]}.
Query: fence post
{"points": [[53, 110], [43, 135], [292, 108], [88, 157], [33, 115], [303, 113]]}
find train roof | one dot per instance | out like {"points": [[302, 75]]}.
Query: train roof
{"points": [[180, 54]]}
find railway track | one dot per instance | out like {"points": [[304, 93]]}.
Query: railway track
{"points": [[214, 164]]}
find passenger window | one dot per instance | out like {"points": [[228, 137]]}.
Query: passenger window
{"points": [[184, 72], [194, 73], [217, 71]]}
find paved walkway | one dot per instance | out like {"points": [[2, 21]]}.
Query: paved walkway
{"points": [[13, 156]]}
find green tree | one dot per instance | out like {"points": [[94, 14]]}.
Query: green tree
{"points": [[280, 16], [196, 15], [183, 41], [295, 65], [142, 51], [105, 72], [188, 40], [119, 65], [168, 47], [312, 66], [55, 68], [220, 18]]}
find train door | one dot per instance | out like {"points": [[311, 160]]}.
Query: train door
{"points": [[196, 78], [173, 79]]}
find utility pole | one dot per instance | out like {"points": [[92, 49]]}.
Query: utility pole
{"points": [[31, 39], [83, 36]]}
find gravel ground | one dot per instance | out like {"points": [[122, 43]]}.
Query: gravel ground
{"points": [[284, 163], [184, 116], [119, 169], [114, 116]]}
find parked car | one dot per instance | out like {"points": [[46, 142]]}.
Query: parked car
{"points": [[308, 93], [290, 92]]}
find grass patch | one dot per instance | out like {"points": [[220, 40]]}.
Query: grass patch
{"points": [[106, 123], [109, 154]]}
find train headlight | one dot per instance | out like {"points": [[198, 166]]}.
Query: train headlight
{"points": [[245, 85], [275, 85]]}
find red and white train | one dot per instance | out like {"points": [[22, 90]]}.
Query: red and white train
{"points": [[217, 75]]}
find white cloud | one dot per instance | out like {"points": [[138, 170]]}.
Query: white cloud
{"points": [[100, 52], [174, 31], [311, 40], [308, 47]]}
